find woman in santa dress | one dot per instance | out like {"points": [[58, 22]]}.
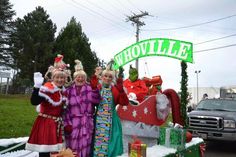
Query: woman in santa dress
{"points": [[46, 134], [108, 130], [79, 115]]}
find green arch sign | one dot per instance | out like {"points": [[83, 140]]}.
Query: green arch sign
{"points": [[177, 49]]}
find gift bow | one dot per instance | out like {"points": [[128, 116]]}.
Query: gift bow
{"points": [[136, 144]]}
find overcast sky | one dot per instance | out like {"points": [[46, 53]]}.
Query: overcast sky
{"points": [[204, 21]]}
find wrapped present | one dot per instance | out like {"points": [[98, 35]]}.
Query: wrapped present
{"points": [[137, 148], [172, 137], [64, 153]]}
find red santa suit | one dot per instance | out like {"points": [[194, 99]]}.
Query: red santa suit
{"points": [[46, 135], [138, 87]]}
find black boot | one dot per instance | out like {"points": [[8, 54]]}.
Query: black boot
{"points": [[44, 154]]}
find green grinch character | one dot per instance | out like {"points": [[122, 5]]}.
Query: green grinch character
{"points": [[136, 88]]}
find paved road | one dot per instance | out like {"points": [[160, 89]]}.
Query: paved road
{"points": [[220, 149]]}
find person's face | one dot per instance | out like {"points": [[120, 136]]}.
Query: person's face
{"points": [[59, 80], [133, 75], [107, 79], [98, 70], [80, 80]]}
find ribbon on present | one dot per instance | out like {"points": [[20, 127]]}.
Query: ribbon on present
{"points": [[137, 148], [202, 149]]}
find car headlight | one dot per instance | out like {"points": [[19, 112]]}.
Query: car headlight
{"points": [[229, 123]]}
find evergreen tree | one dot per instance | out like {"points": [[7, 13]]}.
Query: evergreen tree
{"points": [[6, 27], [33, 43], [184, 92], [74, 44]]}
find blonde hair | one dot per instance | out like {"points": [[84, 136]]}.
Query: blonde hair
{"points": [[79, 69]]}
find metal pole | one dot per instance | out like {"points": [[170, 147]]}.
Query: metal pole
{"points": [[197, 72], [136, 20], [7, 85], [1, 86], [197, 89], [137, 40]]}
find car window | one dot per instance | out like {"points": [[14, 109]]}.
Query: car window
{"points": [[217, 104]]}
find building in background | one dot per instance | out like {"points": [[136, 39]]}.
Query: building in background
{"points": [[212, 92]]}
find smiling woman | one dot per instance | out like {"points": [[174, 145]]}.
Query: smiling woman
{"points": [[51, 97]]}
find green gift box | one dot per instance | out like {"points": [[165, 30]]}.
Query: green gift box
{"points": [[172, 137]]}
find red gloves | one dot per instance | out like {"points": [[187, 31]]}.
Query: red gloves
{"points": [[68, 129], [94, 82], [119, 84]]}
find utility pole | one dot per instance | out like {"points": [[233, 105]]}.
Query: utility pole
{"points": [[136, 21], [197, 73]]}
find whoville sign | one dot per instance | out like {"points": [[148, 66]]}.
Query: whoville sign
{"points": [[155, 47]]}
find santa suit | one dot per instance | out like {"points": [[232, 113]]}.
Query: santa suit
{"points": [[138, 87], [46, 135]]}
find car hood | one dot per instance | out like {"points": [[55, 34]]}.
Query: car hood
{"points": [[224, 114]]}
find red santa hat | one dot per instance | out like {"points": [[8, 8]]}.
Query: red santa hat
{"points": [[59, 67]]}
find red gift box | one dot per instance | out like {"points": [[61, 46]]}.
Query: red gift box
{"points": [[137, 148]]}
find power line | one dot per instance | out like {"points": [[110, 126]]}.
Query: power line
{"points": [[98, 14], [215, 39], [108, 12], [199, 24], [123, 6], [133, 5], [114, 6], [215, 48]]}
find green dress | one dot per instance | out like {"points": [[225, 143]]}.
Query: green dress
{"points": [[108, 130]]}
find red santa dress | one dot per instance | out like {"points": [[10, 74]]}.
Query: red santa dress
{"points": [[46, 134]]}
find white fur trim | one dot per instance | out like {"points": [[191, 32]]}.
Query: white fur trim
{"points": [[54, 103], [44, 148], [55, 89], [38, 108]]}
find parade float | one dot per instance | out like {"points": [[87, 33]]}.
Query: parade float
{"points": [[142, 123], [147, 131]]}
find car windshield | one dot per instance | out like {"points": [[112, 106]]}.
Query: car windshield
{"points": [[217, 105]]}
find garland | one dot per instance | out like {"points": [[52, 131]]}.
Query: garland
{"points": [[184, 93]]}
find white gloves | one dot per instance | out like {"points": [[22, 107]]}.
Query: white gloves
{"points": [[38, 80]]}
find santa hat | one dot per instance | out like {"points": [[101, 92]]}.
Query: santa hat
{"points": [[59, 67], [79, 70]]}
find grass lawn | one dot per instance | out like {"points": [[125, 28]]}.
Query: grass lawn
{"points": [[17, 116]]}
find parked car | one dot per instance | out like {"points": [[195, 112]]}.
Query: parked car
{"points": [[214, 119]]}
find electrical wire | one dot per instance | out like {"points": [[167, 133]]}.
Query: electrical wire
{"points": [[207, 41], [215, 48], [108, 12], [114, 6], [76, 4], [133, 5], [194, 25], [123, 6]]}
